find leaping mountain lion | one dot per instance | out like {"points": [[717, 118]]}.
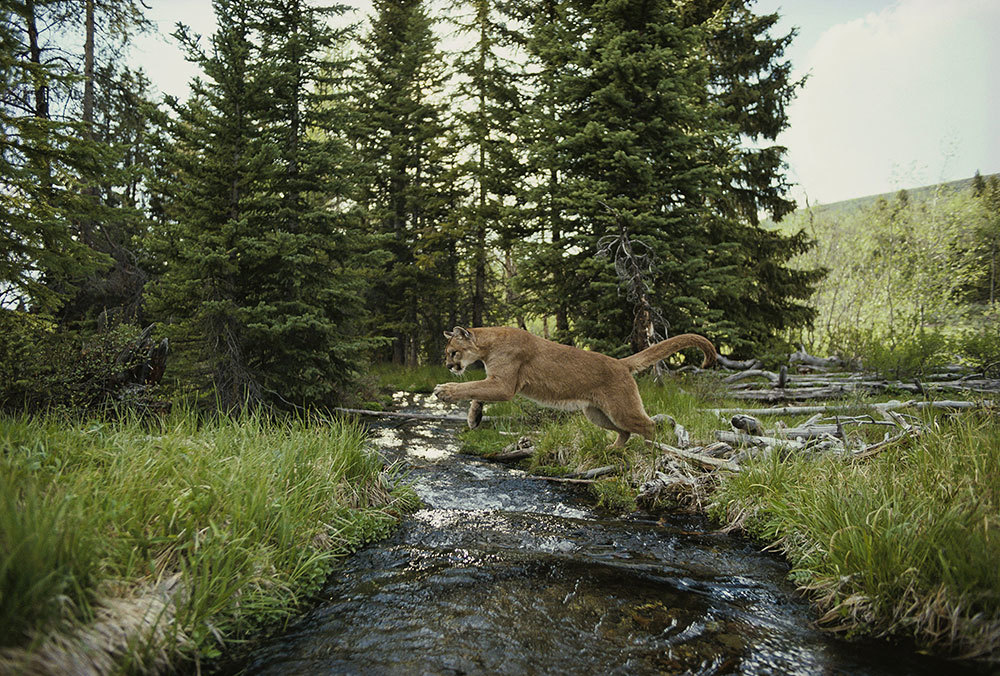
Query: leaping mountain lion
{"points": [[558, 376]]}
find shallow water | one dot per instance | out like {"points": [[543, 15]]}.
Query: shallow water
{"points": [[502, 574]]}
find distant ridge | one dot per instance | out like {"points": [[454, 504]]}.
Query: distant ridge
{"points": [[920, 194]]}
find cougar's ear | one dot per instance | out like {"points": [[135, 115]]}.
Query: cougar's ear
{"points": [[449, 334], [459, 332]]}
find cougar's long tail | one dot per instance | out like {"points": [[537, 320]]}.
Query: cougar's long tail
{"points": [[654, 353]]}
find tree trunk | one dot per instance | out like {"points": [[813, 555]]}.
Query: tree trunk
{"points": [[35, 55], [88, 73]]}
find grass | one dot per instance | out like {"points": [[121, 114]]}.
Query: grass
{"points": [[419, 379], [905, 543], [223, 525], [568, 442]]}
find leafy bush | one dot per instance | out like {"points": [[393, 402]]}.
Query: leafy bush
{"points": [[981, 346], [893, 356], [42, 366]]}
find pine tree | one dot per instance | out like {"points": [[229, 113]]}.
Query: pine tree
{"points": [[408, 189], [259, 273]]}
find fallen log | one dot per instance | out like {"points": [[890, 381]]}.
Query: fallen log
{"points": [[744, 439], [737, 365], [751, 373], [746, 423], [800, 356], [830, 408], [799, 394], [520, 449]]}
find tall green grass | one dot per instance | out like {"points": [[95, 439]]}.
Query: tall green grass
{"points": [[251, 514], [907, 542]]}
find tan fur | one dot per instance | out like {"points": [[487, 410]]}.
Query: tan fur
{"points": [[559, 376]]}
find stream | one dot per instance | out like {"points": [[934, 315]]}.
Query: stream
{"points": [[503, 574]]}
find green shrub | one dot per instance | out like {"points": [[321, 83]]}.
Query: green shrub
{"points": [[43, 366], [893, 356], [981, 347]]}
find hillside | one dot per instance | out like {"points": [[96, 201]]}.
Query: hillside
{"points": [[917, 195]]}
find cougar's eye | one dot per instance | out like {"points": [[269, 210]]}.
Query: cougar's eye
{"points": [[453, 354]]}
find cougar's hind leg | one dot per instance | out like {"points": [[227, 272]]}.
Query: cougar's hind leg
{"points": [[599, 418], [632, 419]]}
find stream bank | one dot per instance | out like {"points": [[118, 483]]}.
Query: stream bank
{"points": [[503, 574]]}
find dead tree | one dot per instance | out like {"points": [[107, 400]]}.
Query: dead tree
{"points": [[633, 261]]}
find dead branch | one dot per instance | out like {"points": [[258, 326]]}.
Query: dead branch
{"points": [[715, 463], [593, 473], [738, 365]]}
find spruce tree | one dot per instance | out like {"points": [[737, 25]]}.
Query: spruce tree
{"points": [[487, 102], [260, 272], [43, 160], [408, 187], [645, 143]]}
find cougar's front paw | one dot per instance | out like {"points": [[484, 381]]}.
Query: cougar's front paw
{"points": [[446, 392]]}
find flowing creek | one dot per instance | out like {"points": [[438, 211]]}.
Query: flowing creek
{"points": [[502, 574]]}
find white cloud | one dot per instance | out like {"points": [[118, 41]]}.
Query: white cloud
{"points": [[899, 98]]}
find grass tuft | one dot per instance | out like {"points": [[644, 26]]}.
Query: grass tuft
{"points": [[906, 542], [249, 514]]}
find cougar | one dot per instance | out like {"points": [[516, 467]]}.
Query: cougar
{"points": [[558, 376]]}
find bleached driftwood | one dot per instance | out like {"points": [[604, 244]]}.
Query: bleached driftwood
{"points": [[830, 408], [708, 461]]}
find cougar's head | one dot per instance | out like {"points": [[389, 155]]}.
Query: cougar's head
{"points": [[461, 350]]}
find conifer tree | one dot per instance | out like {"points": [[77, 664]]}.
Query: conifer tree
{"points": [[407, 189], [112, 103], [260, 271], [645, 141], [486, 105], [42, 161]]}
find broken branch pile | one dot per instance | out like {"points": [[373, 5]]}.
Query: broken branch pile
{"points": [[808, 377]]}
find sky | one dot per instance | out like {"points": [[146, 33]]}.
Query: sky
{"points": [[899, 93]]}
